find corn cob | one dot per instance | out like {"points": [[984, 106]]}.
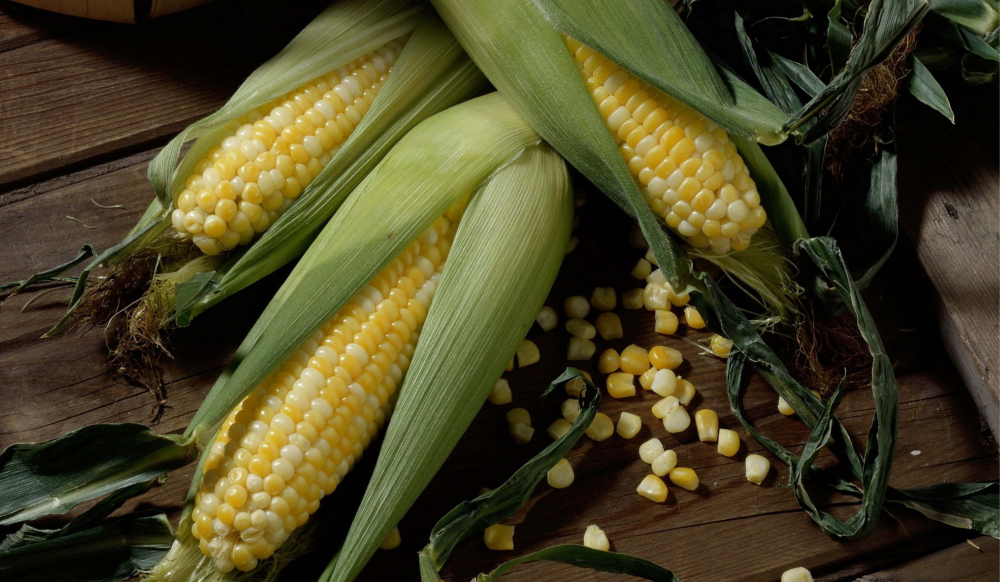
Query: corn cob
{"points": [[690, 172], [294, 438], [267, 157]]}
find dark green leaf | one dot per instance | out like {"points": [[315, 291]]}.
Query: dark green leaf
{"points": [[52, 477], [881, 212], [471, 517], [49, 275], [115, 550], [775, 84], [799, 74], [977, 70], [584, 557], [979, 46], [838, 37], [922, 85], [973, 506], [190, 292], [974, 15]]}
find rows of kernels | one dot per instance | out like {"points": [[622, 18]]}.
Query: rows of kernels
{"points": [[267, 157], [690, 171], [297, 435]]}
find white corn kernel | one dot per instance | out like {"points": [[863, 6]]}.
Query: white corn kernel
{"points": [[799, 574], [676, 418], [547, 318], [601, 427], [757, 468], [558, 428], [629, 425], [527, 354], [642, 269], [603, 298], [580, 349], [522, 433], [576, 306], [653, 488], [518, 416], [500, 394], [560, 475], [685, 391], [707, 423], [664, 382], [729, 442], [664, 463], [581, 328], [571, 409], [632, 299], [595, 538], [649, 450]]}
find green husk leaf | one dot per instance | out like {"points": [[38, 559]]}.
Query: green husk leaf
{"points": [[496, 505], [979, 46], [838, 37], [49, 275], [190, 292], [41, 479], [973, 506], [881, 212], [502, 258], [797, 73], [922, 85], [584, 557], [975, 16], [431, 74], [886, 24], [776, 86], [114, 550]]}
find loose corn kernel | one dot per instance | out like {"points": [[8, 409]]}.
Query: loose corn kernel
{"points": [[547, 318], [642, 269], [603, 298], [576, 306], [799, 574], [656, 296], [685, 391], [653, 488], [664, 358], [721, 346], [675, 417], [664, 463], [521, 432], [680, 300], [646, 380], [559, 427], [649, 450], [693, 319], [570, 409], [580, 349], [518, 416], [621, 385], [510, 365], [629, 425], [636, 239], [757, 468], [609, 325], [651, 257], [632, 299], [575, 386], [785, 408], [684, 478], [527, 354], [666, 322], [581, 328], [634, 360], [601, 427], [391, 541], [560, 476], [574, 241], [608, 362], [500, 394], [707, 423], [499, 537], [664, 382], [595, 538], [729, 442], [663, 406]]}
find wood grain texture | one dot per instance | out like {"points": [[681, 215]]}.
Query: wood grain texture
{"points": [[949, 203], [727, 530]]}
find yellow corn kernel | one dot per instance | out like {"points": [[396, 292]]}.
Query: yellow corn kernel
{"points": [[499, 537], [634, 360], [500, 394], [547, 319], [653, 488], [581, 328], [693, 319], [784, 407], [595, 538], [629, 425], [601, 427], [684, 478], [685, 391], [632, 299], [795, 575], [510, 365], [720, 346], [391, 541], [621, 385], [649, 450], [641, 269], [707, 423], [603, 298], [518, 416], [608, 362], [656, 296], [729, 442], [609, 325], [560, 476], [757, 468], [558, 428], [576, 306], [575, 386], [666, 322], [664, 358], [580, 349], [522, 433], [646, 380], [527, 353], [570, 409]]}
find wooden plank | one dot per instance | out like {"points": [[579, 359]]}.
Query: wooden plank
{"points": [[970, 562], [101, 89], [728, 529], [950, 199]]}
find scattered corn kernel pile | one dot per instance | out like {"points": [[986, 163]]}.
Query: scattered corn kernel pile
{"points": [[265, 159]]}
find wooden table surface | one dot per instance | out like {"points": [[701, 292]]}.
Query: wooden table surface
{"points": [[84, 106]]}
